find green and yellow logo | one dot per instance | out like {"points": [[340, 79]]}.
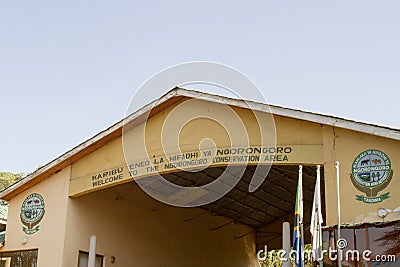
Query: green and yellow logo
{"points": [[371, 173], [32, 212]]}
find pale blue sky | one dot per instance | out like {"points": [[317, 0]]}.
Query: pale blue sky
{"points": [[69, 69]]}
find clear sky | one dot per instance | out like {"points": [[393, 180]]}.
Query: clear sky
{"points": [[69, 69]]}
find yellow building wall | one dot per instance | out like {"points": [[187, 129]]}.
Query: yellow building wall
{"points": [[344, 146], [165, 132], [127, 228], [291, 131], [312, 144], [50, 237]]}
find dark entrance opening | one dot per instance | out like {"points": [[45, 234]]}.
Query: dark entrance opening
{"points": [[265, 209]]}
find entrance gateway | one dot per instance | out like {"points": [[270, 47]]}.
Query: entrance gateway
{"points": [[90, 190]]}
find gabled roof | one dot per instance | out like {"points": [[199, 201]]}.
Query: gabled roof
{"points": [[173, 96]]}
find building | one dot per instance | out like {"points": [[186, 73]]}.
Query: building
{"points": [[89, 190]]}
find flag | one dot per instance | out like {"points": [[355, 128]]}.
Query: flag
{"points": [[298, 245], [316, 221]]}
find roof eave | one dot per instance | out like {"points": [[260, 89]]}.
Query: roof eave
{"points": [[296, 114], [116, 130], [66, 159]]}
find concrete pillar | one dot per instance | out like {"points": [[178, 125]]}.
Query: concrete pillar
{"points": [[92, 252], [286, 244]]}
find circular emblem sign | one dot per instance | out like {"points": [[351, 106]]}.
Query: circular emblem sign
{"points": [[371, 173], [32, 212]]}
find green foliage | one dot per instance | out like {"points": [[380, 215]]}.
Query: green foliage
{"points": [[8, 178], [273, 259]]}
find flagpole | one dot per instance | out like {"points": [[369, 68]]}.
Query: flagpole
{"points": [[316, 221], [338, 209], [298, 233], [301, 221], [320, 262]]}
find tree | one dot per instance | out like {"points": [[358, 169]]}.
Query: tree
{"points": [[8, 178], [274, 261], [391, 241]]}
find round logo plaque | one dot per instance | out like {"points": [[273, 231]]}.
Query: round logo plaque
{"points": [[32, 212], [371, 173]]}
